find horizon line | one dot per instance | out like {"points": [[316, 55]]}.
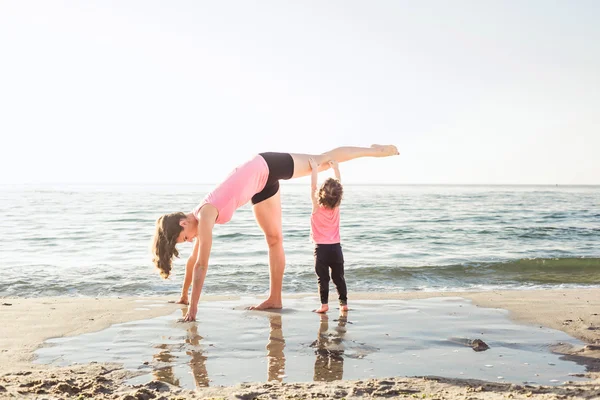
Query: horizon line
{"points": [[291, 184]]}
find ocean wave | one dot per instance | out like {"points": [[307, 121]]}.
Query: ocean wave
{"points": [[534, 270]]}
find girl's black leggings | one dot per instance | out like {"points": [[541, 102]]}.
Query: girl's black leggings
{"points": [[330, 256]]}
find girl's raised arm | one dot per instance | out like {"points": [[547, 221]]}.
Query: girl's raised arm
{"points": [[313, 182]]}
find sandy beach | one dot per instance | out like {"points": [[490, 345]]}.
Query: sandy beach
{"points": [[27, 323]]}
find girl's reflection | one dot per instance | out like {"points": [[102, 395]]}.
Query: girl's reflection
{"points": [[329, 349]]}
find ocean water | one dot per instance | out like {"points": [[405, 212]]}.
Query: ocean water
{"points": [[95, 240]]}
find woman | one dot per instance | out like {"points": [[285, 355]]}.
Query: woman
{"points": [[256, 180]]}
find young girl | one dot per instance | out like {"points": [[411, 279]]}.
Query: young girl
{"points": [[325, 234]]}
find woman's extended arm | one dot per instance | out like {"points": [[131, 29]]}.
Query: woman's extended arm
{"points": [[208, 216]]}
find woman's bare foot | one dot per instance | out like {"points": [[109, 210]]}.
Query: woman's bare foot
{"points": [[344, 307], [266, 305], [324, 308], [386, 150], [183, 300]]}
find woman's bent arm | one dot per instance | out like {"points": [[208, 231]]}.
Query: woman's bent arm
{"points": [[189, 270]]}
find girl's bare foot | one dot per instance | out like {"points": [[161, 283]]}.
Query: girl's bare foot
{"points": [[344, 307], [324, 308], [386, 150], [183, 300]]}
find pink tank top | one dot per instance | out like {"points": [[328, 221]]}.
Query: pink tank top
{"points": [[237, 189], [325, 225]]}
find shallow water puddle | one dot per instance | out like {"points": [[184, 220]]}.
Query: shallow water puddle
{"points": [[376, 338]]}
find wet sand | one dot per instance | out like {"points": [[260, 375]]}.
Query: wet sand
{"points": [[26, 323], [375, 339]]}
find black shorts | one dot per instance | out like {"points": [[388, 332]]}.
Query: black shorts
{"points": [[281, 166]]}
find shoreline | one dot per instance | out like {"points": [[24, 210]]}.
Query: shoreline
{"points": [[28, 322]]}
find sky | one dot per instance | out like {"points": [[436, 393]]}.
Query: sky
{"points": [[471, 92]]}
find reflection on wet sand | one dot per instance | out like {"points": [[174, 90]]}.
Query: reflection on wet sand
{"points": [[165, 374], [198, 359], [194, 350], [329, 349], [239, 346], [275, 346]]}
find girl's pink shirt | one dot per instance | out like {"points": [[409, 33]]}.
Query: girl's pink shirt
{"points": [[325, 225], [237, 189]]}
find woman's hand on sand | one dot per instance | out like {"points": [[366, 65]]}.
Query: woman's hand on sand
{"points": [[313, 164], [191, 314]]}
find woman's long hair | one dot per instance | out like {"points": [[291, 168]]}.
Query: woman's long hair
{"points": [[164, 241]]}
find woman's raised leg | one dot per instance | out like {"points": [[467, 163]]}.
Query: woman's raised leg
{"points": [[339, 154], [268, 217]]}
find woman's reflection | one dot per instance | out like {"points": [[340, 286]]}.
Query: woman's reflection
{"points": [[329, 349], [275, 346], [193, 349], [165, 374], [198, 360]]}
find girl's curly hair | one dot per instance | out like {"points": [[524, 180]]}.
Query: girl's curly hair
{"points": [[331, 193]]}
